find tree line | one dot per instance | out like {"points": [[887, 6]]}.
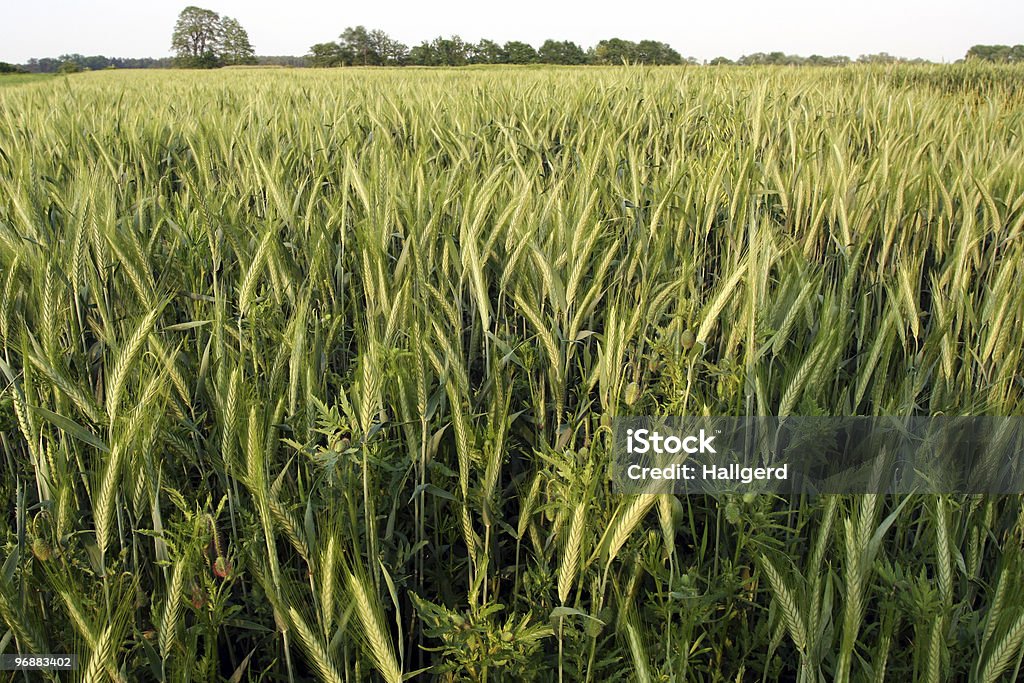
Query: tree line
{"points": [[1004, 54], [452, 52], [782, 59], [77, 62], [358, 46]]}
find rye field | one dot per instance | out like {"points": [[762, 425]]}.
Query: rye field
{"points": [[308, 375]]}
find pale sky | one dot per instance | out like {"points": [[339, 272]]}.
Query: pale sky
{"points": [[934, 29]]}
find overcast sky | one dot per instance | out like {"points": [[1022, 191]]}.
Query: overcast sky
{"points": [[934, 29]]}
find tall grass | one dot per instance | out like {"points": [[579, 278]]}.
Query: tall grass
{"points": [[309, 376]]}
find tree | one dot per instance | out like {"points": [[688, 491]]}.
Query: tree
{"points": [[561, 52], [203, 39], [997, 53], [70, 63], [423, 55], [819, 60], [197, 37], [387, 50], [487, 52], [879, 58], [235, 47], [326, 54], [615, 51], [451, 51], [654, 52], [520, 53], [441, 51], [46, 65], [357, 40]]}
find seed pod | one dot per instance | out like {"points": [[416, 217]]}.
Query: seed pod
{"points": [[632, 393], [198, 598], [41, 549], [222, 567], [678, 514], [732, 512]]}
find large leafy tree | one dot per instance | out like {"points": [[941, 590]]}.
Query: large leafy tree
{"points": [[360, 47], [329, 54], [388, 50], [451, 51], [654, 52], [235, 47], [356, 40], [441, 51], [561, 52], [520, 53], [423, 55], [487, 52], [204, 39], [197, 37], [615, 51]]}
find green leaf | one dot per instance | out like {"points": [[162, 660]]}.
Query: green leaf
{"points": [[182, 327], [71, 427], [570, 612]]}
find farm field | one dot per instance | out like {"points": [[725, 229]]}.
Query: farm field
{"points": [[7, 80], [308, 374]]}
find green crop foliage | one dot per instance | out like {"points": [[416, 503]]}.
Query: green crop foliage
{"points": [[308, 375]]}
